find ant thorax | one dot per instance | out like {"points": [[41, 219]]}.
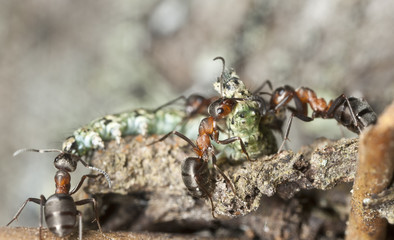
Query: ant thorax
{"points": [[245, 120]]}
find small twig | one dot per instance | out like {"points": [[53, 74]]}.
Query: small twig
{"points": [[374, 174]]}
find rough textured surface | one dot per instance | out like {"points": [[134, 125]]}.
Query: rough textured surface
{"points": [[281, 196], [148, 192], [155, 171], [33, 233]]}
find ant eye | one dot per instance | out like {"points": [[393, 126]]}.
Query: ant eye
{"points": [[219, 110]]}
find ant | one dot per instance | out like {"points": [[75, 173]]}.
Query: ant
{"points": [[197, 172], [354, 113], [66, 161], [59, 209], [272, 119]]}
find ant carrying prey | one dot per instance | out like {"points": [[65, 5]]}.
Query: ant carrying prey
{"points": [[59, 210], [198, 173]]}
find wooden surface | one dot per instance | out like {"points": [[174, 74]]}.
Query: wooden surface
{"points": [[21, 233], [374, 174]]}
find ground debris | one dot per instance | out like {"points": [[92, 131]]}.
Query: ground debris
{"points": [[16, 233], [154, 173]]}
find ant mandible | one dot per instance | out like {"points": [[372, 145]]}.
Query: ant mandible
{"points": [[59, 209], [354, 113]]}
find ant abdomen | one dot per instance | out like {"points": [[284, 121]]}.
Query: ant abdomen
{"points": [[60, 214], [363, 113], [197, 177]]}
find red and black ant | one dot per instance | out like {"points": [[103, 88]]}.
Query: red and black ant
{"points": [[59, 209], [197, 172], [354, 113]]}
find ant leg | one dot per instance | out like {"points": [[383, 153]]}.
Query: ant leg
{"points": [[35, 200], [79, 216], [169, 103], [284, 101], [286, 137], [212, 206], [233, 139], [301, 107], [201, 186], [42, 203], [94, 202], [82, 180], [266, 82], [176, 133], [300, 115], [293, 114], [228, 181], [208, 195]]}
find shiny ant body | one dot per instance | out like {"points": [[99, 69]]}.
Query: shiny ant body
{"points": [[353, 113], [198, 172], [59, 209]]}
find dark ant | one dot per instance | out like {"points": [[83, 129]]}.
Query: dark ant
{"points": [[66, 161], [354, 113], [59, 209], [197, 172], [272, 119]]}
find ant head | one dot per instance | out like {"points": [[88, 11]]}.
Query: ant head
{"points": [[63, 161], [282, 94], [66, 161], [221, 107]]}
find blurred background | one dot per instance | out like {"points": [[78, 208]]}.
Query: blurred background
{"points": [[65, 63]]}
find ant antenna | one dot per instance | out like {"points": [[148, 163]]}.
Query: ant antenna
{"points": [[35, 150], [78, 158], [221, 76], [98, 170]]}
